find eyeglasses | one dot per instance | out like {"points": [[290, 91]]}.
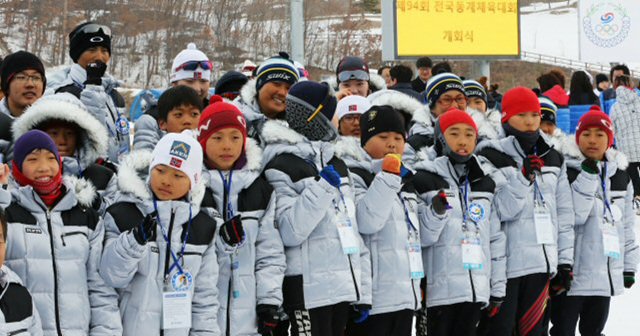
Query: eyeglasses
{"points": [[92, 29], [21, 78], [447, 101], [350, 118], [193, 65]]}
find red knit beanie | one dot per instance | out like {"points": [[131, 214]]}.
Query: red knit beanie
{"points": [[218, 115], [595, 118], [519, 100], [454, 116]]}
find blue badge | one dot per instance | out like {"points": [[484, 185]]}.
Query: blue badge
{"points": [[180, 149], [476, 211], [122, 125], [182, 281]]}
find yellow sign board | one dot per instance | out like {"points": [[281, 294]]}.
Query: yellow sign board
{"points": [[462, 28]]}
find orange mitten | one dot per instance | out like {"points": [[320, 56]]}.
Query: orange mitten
{"points": [[392, 163]]}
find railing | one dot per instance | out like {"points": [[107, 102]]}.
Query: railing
{"points": [[571, 64]]}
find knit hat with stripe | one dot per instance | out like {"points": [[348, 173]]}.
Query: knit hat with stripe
{"points": [[441, 83], [277, 68]]}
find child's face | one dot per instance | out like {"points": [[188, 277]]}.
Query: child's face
{"points": [[169, 183], [593, 143], [180, 118], [548, 127], [224, 148], [525, 122], [271, 98], [65, 139], [40, 165], [384, 143], [461, 138], [356, 86], [349, 125], [477, 103], [449, 99]]}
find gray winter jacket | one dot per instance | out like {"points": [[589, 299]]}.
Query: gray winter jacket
{"points": [[147, 133], [488, 123], [318, 273], [247, 103], [103, 102], [138, 271], [595, 274], [18, 313], [625, 116], [91, 143], [381, 200], [6, 140], [420, 134], [57, 253], [524, 255], [256, 278], [448, 282]]}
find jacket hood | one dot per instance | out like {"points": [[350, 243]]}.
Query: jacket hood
{"points": [[277, 131], [377, 83], [429, 160], [84, 193], [557, 140], [558, 95], [488, 123], [247, 102], [349, 150], [133, 177], [574, 156], [93, 139], [396, 99], [424, 116], [278, 139], [253, 153], [626, 95]]}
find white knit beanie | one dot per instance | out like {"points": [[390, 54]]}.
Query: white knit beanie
{"points": [[188, 55], [182, 152]]}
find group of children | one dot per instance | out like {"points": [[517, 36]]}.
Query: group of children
{"points": [[261, 217]]}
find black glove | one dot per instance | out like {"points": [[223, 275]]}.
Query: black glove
{"points": [[439, 203], [267, 319], [232, 231], [562, 280], [531, 165], [494, 306], [146, 230], [590, 166], [95, 72], [629, 279]]}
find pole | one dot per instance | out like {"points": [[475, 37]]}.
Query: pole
{"points": [[297, 30], [481, 68]]}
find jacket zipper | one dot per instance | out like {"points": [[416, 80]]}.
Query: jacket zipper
{"points": [[473, 288], [353, 276], [609, 274], [167, 255], [228, 314], [55, 274], [71, 234], [17, 332]]}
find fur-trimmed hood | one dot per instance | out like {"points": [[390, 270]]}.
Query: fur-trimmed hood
{"points": [[92, 140], [278, 138], [423, 121], [348, 149], [376, 82], [84, 193], [428, 160], [489, 123], [574, 156], [247, 102], [401, 102], [558, 140], [133, 176]]}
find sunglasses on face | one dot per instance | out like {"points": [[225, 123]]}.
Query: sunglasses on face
{"points": [[193, 65]]}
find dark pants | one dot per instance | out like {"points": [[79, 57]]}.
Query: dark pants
{"points": [[460, 319], [522, 309], [395, 323], [634, 173], [322, 321], [421, 315], [592, 311]]}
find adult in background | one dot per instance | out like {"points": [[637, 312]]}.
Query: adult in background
{"points": [[23, 81], [384, 72], [401, 81], [581, 89], [423, 65], [608, 96], [626, 125], [87, 79]]}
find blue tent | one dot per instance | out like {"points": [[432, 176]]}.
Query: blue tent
{"points": [[146, 98]]}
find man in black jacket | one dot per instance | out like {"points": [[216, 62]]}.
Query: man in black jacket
{"points": [[424, 65]]}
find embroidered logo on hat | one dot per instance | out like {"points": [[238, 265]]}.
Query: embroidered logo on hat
{"points": [[278, 75], [353, 108], [96, 39], [241, 120], [175, 162], [197, 75], [180, 149], [372, 114]]}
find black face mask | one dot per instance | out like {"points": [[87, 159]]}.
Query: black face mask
{"points": [[527, 140]]}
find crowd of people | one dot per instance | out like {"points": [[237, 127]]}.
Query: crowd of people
{"points": [[368, 204]]}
